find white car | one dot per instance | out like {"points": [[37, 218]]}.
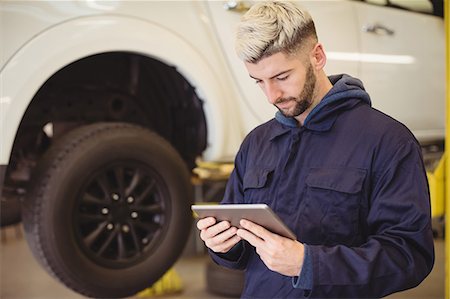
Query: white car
{"points": [[105, 106]]}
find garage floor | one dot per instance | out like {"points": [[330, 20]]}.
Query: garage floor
{"points": [[22, 277]]}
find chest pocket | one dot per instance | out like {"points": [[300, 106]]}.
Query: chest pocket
{"points": [[332, 204], [256, 185]]}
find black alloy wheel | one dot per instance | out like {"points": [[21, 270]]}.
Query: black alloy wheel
{"points": [[121, 214]]}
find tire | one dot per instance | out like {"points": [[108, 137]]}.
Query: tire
{"points": [[223, 281], [108, 211]]}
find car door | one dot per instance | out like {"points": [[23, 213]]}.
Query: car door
{"points": [[336, 27], [402, 62]]}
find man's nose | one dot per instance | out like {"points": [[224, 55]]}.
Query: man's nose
{"points": [[273, 93]]}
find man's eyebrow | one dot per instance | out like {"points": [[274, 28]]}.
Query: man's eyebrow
{"points": [[279, 74]]}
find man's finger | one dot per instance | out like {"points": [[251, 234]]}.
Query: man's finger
{"points": [[223, 236], [256, 229], [216, 229], [250, 237], [205, 222], [227, 245]]}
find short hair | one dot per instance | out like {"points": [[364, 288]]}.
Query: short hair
{"points": [[272, 27]]}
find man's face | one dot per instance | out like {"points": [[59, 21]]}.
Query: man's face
{"points": [[286, 82]]}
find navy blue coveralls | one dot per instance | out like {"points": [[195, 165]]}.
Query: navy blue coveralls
{"points": [[351, 184]]}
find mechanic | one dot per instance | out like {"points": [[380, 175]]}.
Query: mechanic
{"points": [[346, 178]]}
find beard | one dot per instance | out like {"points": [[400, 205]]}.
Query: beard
{"points": [[304, 100]]}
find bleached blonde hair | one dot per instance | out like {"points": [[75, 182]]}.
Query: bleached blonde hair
{"points": [[272, 27]]}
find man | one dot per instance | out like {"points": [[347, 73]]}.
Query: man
{"points": [[346, 178]]}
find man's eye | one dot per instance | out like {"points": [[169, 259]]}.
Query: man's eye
{"points": [[258, 81], [282, 78]]}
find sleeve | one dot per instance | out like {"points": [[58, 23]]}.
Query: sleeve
{"points": [[398, 252], [236, 257]]}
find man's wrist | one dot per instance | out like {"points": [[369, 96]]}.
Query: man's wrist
{"points": [[305, 276]]}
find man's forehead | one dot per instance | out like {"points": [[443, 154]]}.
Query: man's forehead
{"points": [[272, 66]]}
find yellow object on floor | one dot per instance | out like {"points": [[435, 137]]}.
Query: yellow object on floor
{"points": [[170, 283]]}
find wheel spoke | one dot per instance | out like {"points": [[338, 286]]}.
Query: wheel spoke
{"points": [[134, 182], [86, 218], [119, 173], [146, 192], [102, 182], [89, 240], [149, 227], [121, 246], [137, 245], [153, 208], [91, 199], [107, 242]]}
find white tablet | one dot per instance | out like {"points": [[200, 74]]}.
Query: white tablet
{"points": [[260, 214]]}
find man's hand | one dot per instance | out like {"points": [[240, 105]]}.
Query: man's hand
{"points": [[278, 253], [219, 237]]}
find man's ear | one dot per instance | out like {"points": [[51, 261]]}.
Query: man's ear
{"points": [[318, 57]]}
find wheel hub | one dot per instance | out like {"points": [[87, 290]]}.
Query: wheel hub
{"points": [[120, 211]]}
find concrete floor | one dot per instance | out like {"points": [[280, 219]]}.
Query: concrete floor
{"points": [[22, 277]]}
